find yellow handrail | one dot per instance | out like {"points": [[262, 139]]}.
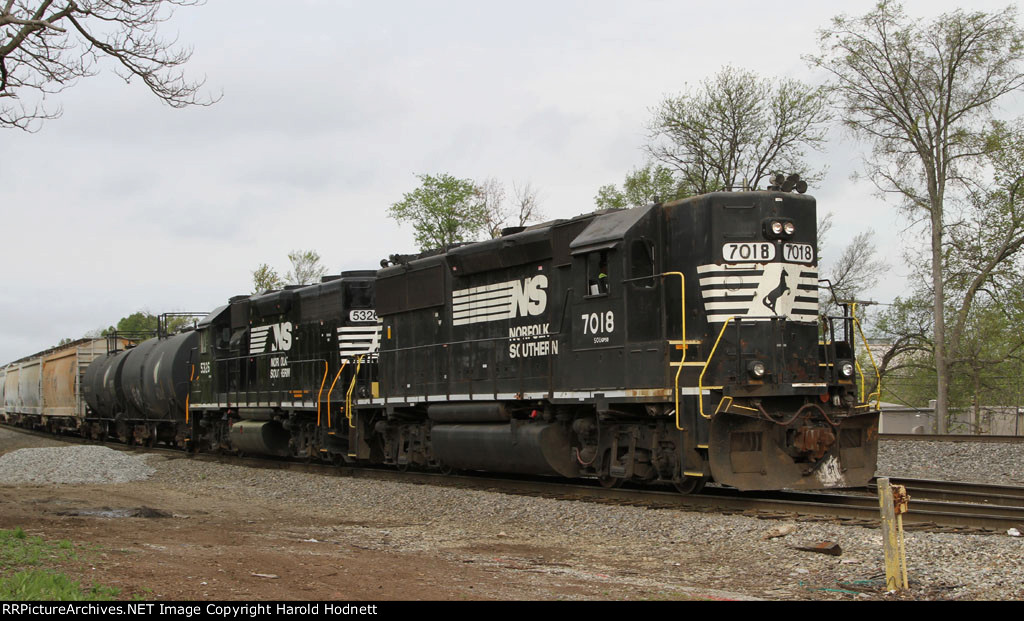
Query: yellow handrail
{"points": [[700, 380], [330, 391], [878, 392], [682, 304], [348, 394]]}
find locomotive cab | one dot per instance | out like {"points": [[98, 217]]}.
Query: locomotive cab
{"points": [[674, 343], [775, 380]]}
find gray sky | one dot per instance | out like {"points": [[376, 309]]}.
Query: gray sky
{"points": [[330, 109]]}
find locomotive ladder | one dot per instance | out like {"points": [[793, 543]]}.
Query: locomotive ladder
{"points": [[682, 344]]}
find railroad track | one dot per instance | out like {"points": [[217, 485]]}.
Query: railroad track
{"points": [[942, 506], [931, 437]]}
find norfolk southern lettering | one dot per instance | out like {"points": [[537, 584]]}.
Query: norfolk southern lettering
{"points": [[529, 341]]}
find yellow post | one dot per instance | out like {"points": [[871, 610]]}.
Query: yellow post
{"points": [[893, 503]]}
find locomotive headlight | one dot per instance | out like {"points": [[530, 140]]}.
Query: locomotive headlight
{"points": [[846, 369], [756, 369], [777, 227], [789, 227]]}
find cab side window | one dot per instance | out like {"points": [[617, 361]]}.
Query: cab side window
{"points": [[597, 273]]}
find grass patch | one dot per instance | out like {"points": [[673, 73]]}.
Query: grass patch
{"points": [[20, 579], [17, 550], [43, 584]]}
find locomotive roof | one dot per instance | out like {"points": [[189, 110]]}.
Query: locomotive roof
{"points": [[608, 228], [530, 240], [214, 314]]}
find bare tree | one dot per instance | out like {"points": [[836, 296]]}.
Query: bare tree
{"points": [[923, 94], [527, 203], [736, 128], [855, 270], [523, 209], [47, 45], [492, 193]]}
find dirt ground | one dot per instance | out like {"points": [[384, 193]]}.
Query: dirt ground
{"points": [[209, 548]]}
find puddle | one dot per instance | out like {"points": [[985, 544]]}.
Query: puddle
{"points": [[107, 512]]}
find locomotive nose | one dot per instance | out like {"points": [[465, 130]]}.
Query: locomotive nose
{"points": [[801, 453]]}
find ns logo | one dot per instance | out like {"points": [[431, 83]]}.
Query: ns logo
{"points": [[274, 337], [500, 301], [529, 296]]}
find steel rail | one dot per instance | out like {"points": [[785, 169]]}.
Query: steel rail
{"points": [[923, 437], [958, 491], [849, 506]]}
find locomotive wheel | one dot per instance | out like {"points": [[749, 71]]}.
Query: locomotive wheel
{"points": [[690, 485], [605, 478], [610, 482]]}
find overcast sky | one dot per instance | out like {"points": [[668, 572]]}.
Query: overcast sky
{"points": [[330, 108]]}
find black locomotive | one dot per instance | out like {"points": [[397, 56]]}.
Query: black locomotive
{"points": [[678, 343]]}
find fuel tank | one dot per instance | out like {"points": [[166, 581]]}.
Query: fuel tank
{"points": [[526, 448]]}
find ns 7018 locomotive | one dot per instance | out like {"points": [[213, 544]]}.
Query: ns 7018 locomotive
{"points": [[676, 343]]}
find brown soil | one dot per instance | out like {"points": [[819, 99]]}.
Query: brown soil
{"points": [[189, 547]]}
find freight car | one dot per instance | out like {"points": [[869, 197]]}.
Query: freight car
{"points": [[675, 343], [138, 394], [45, 390]]}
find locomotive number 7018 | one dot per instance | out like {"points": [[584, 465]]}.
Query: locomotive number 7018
{"points": [[748, 251]]}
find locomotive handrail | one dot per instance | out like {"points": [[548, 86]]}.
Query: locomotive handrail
{"points": [[227, 390], [682, 305], [330, 391], [348, 394], [707, 363], [878, 389], [700, 380]]}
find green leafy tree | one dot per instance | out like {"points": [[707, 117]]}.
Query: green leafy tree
{"points": [[305, 270], [140, 321], [923, 95], [610, 197], [265, 278], [443, 211], [651, 183]]}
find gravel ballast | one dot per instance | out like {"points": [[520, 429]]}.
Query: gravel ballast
{"points": [[730, 552], [661, 548], [71, 465]]}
